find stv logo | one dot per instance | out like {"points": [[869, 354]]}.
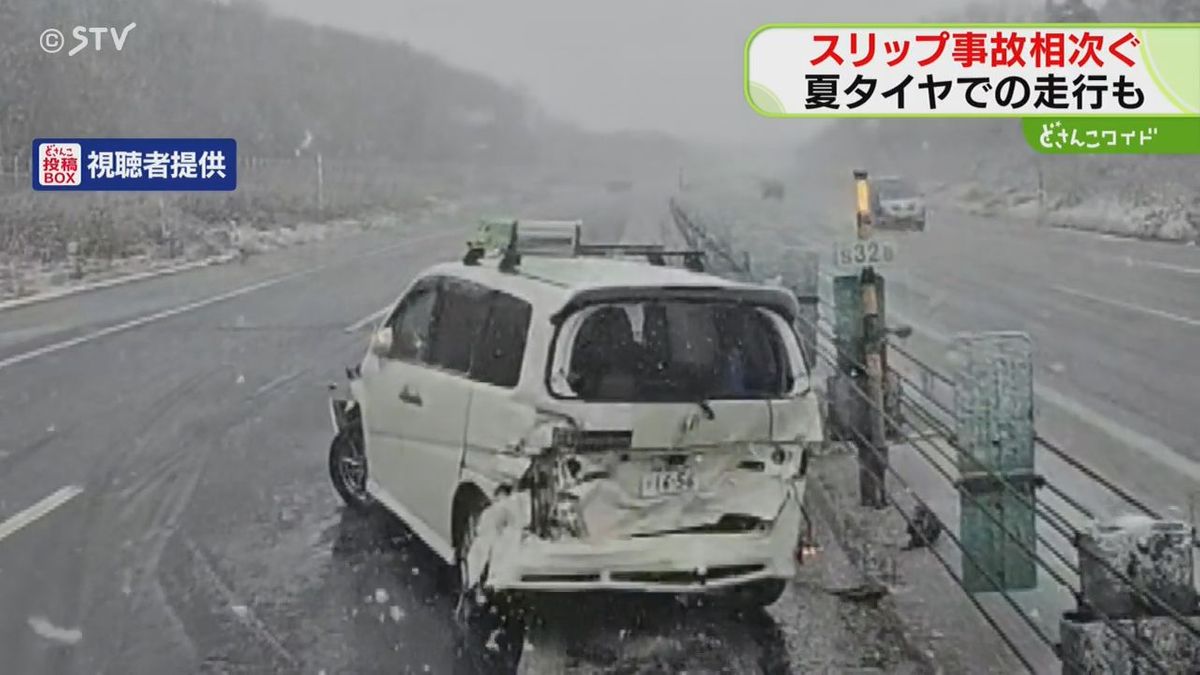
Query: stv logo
{"points": [[58, 164]]}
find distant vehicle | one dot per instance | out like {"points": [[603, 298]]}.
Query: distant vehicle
{"points": [[549, 415], [897, 204], [619, 185], [772, 189]]}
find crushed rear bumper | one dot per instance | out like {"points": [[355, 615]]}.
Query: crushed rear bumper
{"points": [[667, 563]]}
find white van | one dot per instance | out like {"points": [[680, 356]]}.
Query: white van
{"points": [[553, 416]]}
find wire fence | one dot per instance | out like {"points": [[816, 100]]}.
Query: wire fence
{"points": [[927, 426]]}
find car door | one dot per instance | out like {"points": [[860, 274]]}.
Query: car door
{"points": [[390, 410], [498, 418], [441, 395]]}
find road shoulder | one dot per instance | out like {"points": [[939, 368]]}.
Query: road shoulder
{"points": [[925, 604]]}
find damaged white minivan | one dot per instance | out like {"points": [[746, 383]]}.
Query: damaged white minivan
{"points": [[555, 416]]}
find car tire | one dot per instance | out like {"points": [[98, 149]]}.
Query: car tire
{"points": [[758, 594], [348, 468]]}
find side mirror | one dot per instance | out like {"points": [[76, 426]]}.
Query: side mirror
{"points": [[381, 342]]}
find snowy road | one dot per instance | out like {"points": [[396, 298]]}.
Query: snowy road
{"points": [[165, 507], [165, 503]]}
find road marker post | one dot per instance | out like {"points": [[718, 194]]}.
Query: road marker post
{"points": [[861, 339], [872, 488], [993, 418]]}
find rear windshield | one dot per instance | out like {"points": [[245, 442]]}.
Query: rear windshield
{"points": [[895, 189], [673, 351]]}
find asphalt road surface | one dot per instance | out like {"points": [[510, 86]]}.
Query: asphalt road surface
{"points": [[165, 503]]}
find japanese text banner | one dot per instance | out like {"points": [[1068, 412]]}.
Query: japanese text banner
{"points": [[963, 70], [135, 164]]}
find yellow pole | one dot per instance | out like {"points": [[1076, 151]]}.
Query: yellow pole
{"points": [[873, 462]]}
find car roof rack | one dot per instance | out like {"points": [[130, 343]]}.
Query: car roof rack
{"points": [[655, 254], [510, 238]]}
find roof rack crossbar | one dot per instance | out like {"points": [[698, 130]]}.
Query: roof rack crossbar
{"points": [[656, 254], [510, 238]]}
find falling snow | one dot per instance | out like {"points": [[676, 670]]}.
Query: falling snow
{"points": [[43, 627]]}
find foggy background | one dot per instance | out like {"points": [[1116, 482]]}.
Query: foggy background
{"points": [[668, 65]]}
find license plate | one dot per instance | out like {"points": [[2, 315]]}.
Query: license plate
{"points": [[674, 481]]}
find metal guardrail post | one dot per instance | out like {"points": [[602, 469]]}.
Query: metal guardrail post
{"points": [[320, 167]]}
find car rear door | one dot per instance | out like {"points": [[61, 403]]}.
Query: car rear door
{"points": [[440, 396], [498, 417]]}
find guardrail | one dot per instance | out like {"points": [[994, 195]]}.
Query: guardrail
{"points": [[1136, 610]]}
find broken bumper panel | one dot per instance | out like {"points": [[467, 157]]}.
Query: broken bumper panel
{"points": [[669, 563]]}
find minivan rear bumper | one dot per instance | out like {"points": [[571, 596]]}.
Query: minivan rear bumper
{"points": [[669, 563], [889, 221]]}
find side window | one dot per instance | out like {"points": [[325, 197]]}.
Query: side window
{"points": [[500, 350], [412, 324], [462, 311]]}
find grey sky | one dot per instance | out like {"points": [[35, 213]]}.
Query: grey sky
{"points": [[672, 65]]}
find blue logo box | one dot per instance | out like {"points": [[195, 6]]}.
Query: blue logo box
{"points": [[135, 164]]}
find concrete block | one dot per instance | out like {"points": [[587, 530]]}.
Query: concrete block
{"points": [[1092, 647], [1156, 555]]}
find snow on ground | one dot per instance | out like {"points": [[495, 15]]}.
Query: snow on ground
{"points": [[24, 278]]}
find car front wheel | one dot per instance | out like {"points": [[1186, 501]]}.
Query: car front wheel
{"points": [[348, 468]]}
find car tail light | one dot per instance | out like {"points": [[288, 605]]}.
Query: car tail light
{"points": [[555, 469], [555, 512], [567, 521]]}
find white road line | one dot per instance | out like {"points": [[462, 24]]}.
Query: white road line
{"points": [[370, 318], [1150, 447], [1168, 266], [141, 321], [109, 283], [38, 510], [279, 381], [158, 316], [1149, 311]]}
